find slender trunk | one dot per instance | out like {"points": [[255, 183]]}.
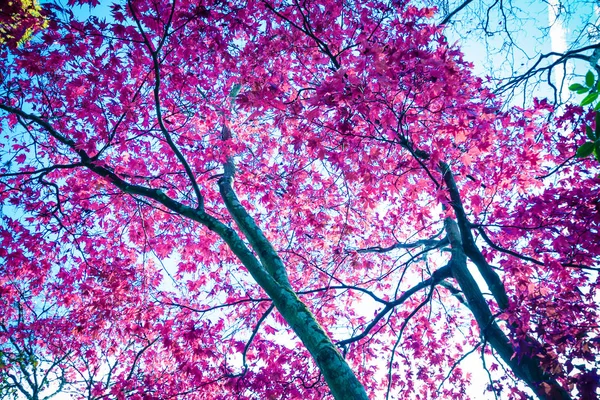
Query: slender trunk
{"points": [[271, 275], [340, 378], [526, 367]]}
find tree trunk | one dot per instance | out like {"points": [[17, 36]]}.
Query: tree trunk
{"points": [[525, 367]]}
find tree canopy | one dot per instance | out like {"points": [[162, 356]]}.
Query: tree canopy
{"points": [[280, 199]]}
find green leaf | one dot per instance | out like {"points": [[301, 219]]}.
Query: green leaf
{"points": [[577, 86], [583, 90], [235, 90], [585, 150], [597, 151], [589, 99], [597, 107], [590, 133], [590, 79]]}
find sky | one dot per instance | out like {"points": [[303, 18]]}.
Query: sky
{"points": [[558, 43]]}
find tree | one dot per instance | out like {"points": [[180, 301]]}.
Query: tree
{"points": [[191, 191]]}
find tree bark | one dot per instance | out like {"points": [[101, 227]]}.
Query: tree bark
{"points": [[340, 378], [524, 366]]}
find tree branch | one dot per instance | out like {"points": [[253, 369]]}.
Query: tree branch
{"points": [[138, 355], [157, 103], [468, 242], [430, 244], [249, 342], [494, 246], [455, 364], [454, 12], [435, 278], [208, 309], [536, 69], [391, 363]]}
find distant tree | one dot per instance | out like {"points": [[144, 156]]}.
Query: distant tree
{"points": [[285, 200], [19, 20]]}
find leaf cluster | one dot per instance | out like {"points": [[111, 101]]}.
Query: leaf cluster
{"points": [[591, 87]]}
